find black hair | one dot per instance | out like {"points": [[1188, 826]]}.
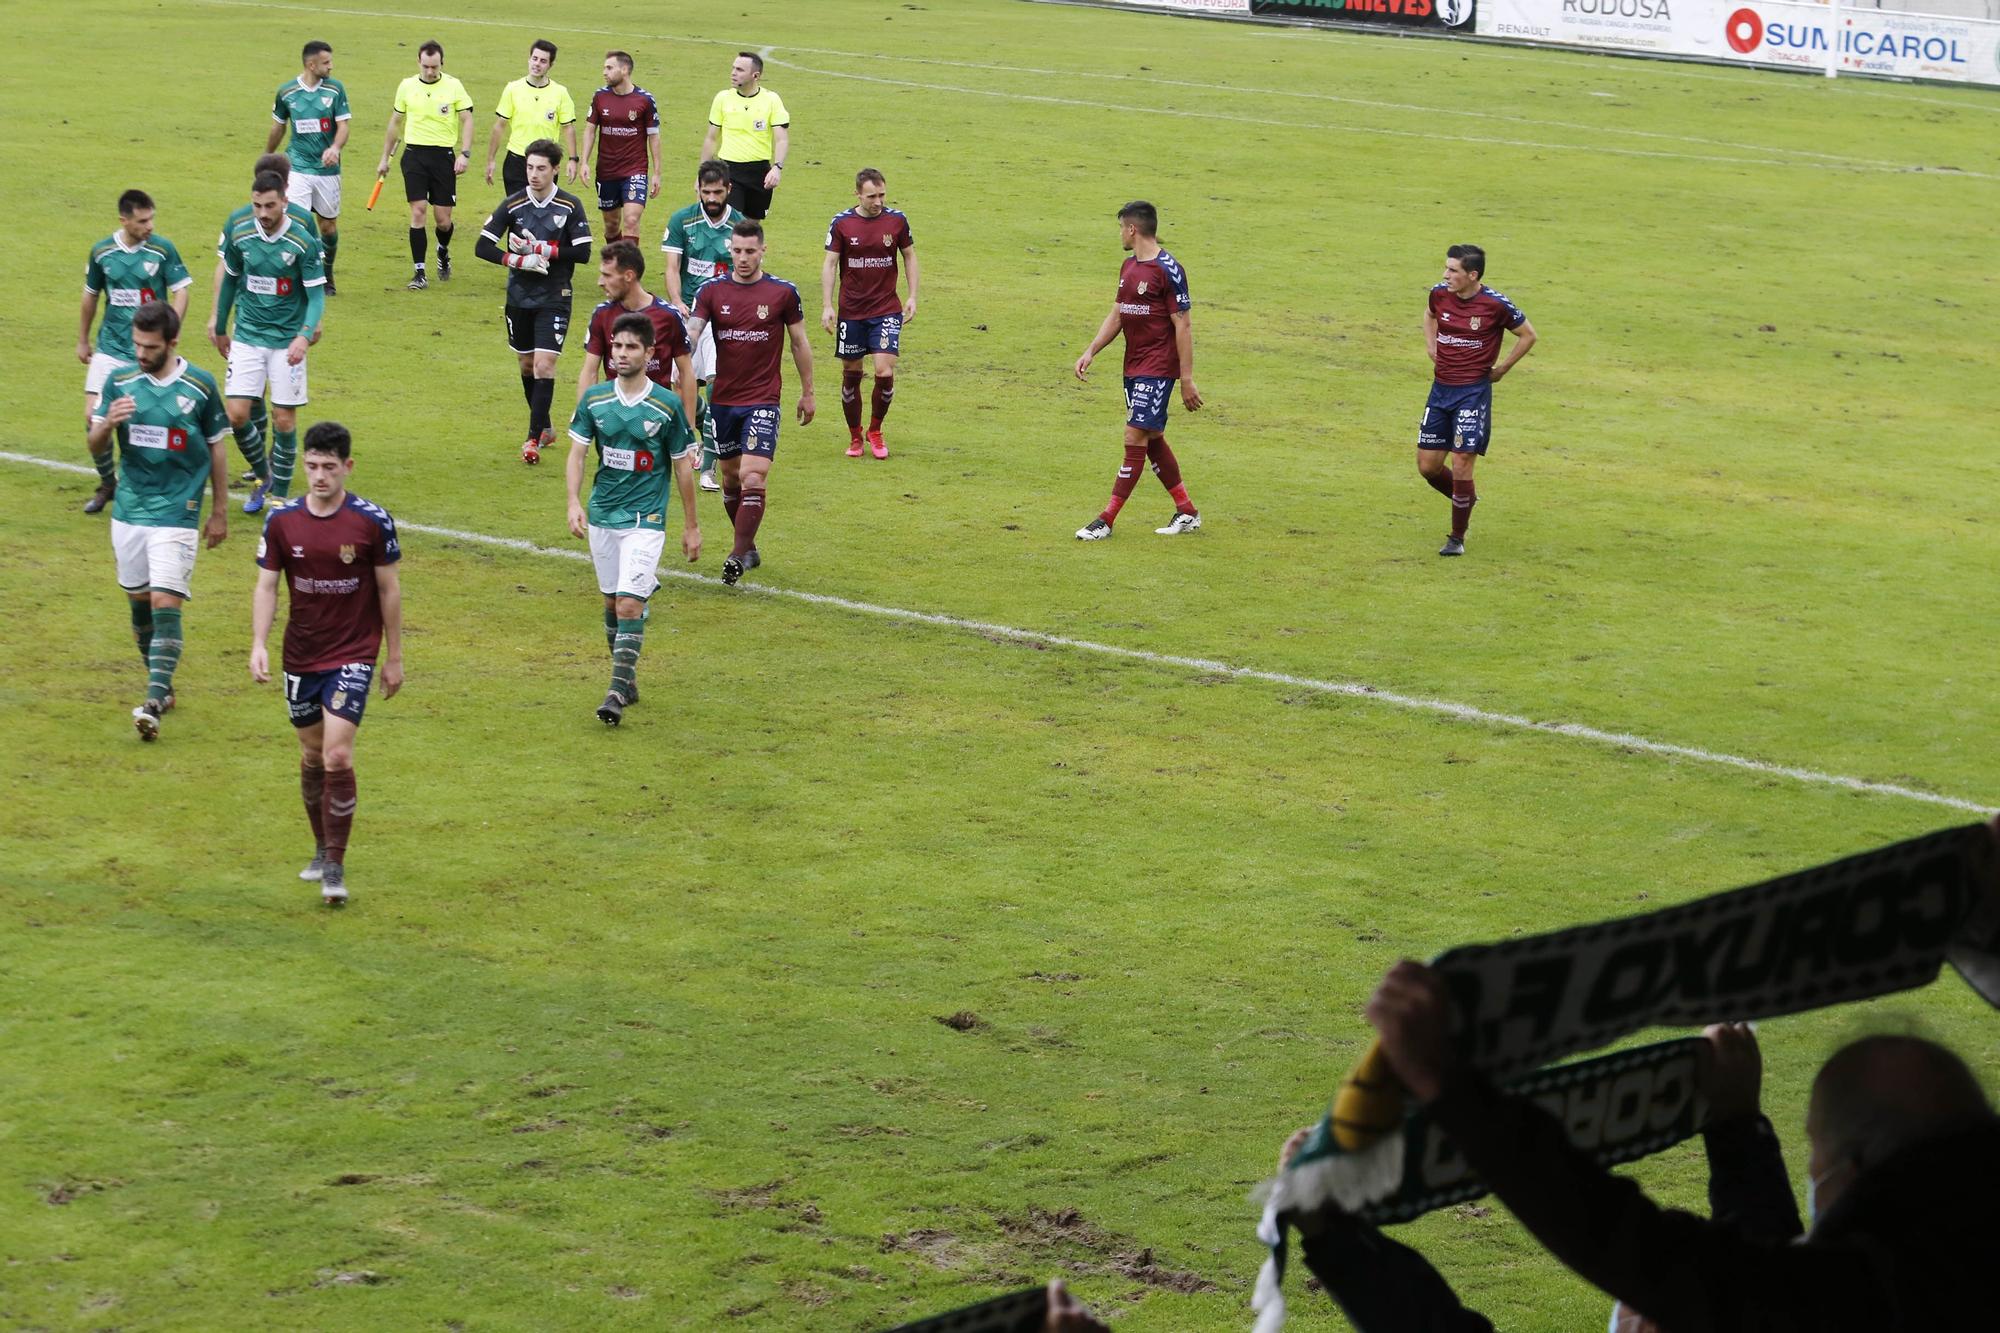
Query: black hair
{"points": [[328, 437], [1470, 258], [157, 317], [1141, 215]]}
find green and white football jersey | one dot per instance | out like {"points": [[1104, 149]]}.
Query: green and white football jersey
{"points": [[703, 245], [314, 115], [128, 276], [273, 275], [163, 457], [636, 439], [245, 213]]}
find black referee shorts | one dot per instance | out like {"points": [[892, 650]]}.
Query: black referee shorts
{"points": [[427, 175], [746, 188], [514, 173]]}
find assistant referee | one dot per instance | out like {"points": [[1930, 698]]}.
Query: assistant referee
{"points": [[429, 100], [754, 129]]}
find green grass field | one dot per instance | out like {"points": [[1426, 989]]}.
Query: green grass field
{"points": [[642, 1029]]}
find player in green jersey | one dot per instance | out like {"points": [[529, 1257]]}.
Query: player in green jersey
{"points": [[167, 417], [314, 108], [252, 434], [272, 278], [128, 268], [636, 425], [697, 248]]}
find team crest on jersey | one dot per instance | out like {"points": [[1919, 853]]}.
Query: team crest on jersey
{"points": [[763, 312], [631, 115], [288, 259], [152, 266], [187, 403], [652, 429], [1142, 289], [347, 553], [887, 240], [1473, 323]]}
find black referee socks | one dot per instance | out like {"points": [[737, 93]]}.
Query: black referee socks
{"points": [[417, 239]]}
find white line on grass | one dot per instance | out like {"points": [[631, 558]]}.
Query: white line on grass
{"points": [[1428, 136], [1341, 688], [1788, 157]]}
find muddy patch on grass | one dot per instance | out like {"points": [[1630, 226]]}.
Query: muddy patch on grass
{"points": [[1064, 1237], [797, 1213]]}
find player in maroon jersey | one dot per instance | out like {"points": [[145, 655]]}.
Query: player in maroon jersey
{"points": [[671, 361], [1463, 324], [1152, 312], [751, 313], [624, 127], [862, 246], [338, 554]]}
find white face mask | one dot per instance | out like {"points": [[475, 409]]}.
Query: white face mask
{"points": [[1813, 1184]]}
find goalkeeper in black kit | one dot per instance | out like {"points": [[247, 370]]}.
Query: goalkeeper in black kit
{"points": [[540, 235]]}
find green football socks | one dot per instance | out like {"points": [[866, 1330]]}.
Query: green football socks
{"points": [[284, 454], [163, 653], [625, 645], [142, 627]]}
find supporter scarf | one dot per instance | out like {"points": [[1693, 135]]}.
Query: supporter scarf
{"points": [[1867, 925]]}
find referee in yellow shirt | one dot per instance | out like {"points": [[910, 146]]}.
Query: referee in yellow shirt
{"points": [[530, 109], [430, 100], [754, 129]]}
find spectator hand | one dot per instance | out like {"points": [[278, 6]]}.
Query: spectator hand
{"points": [[1411, 1010], [1729, 1071], [1068, 1315]]}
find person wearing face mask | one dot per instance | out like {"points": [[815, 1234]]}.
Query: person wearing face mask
{"points": [[1905, 1147]]}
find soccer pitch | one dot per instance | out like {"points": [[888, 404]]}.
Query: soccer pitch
{"points": [[644, 1028]]}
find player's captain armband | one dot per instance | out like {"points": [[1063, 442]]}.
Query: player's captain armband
{"points": [[627, 460], [261, 285], [156, 437]]}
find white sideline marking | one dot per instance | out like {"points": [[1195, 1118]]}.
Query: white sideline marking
{"points": [[1429, 136], [1342, 688], [1790, 157]]}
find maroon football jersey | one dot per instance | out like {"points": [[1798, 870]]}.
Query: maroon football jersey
{"points": [[749, 319], [1468, 335], [329, 564], [868, 249], [670, 338], [623, 121], [1149, 292]]}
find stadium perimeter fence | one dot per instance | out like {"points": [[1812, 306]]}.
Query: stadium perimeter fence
{"points": [[1943, 41]]}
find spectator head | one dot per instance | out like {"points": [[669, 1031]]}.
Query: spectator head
{"points": [[1878, 1096]]}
